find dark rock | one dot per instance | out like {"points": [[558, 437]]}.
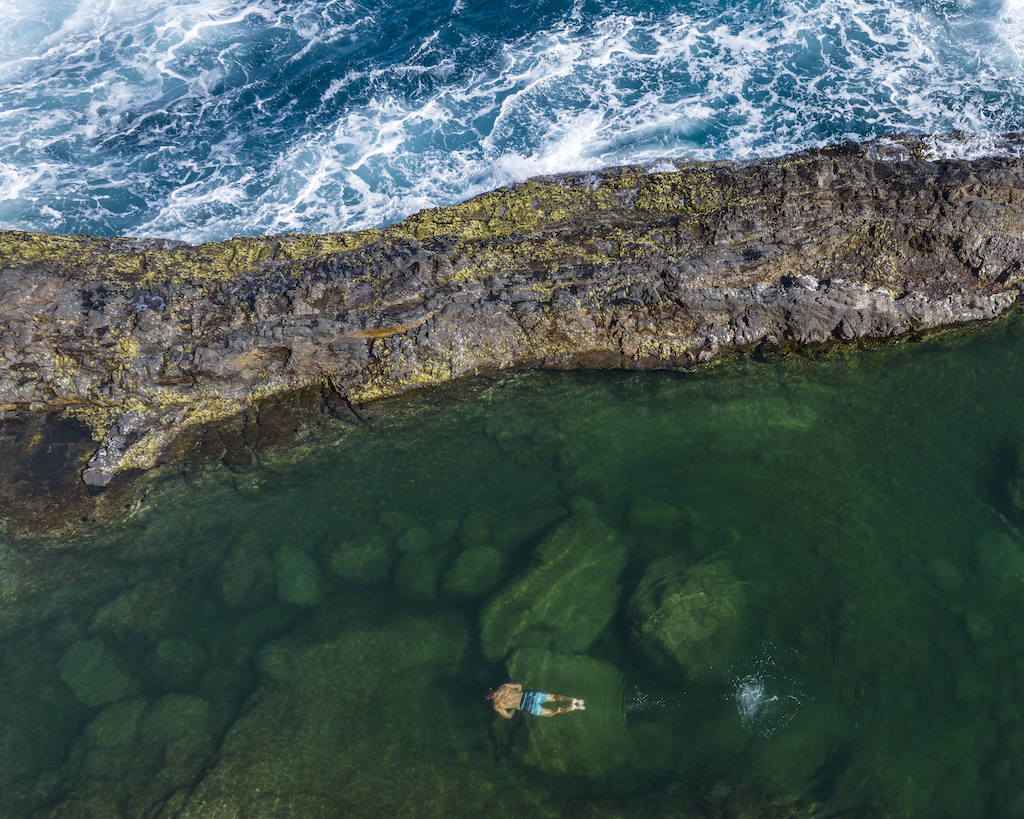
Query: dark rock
{"points": [[627, 267]]}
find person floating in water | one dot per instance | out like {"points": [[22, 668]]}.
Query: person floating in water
{"points": [[511, 696]]}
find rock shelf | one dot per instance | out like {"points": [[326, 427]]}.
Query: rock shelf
{"points": [[640, 267]]}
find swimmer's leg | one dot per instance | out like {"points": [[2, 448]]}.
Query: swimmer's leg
{"points": [[574, 705]]}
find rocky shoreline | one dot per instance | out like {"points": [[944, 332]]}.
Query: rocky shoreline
{"points": [[114, 349]]}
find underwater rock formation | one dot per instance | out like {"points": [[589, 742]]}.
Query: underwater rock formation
{"points": [[317, 739], [593, 743], [637, 267], [94, 673], [687, 617], [475, 572], [565, 600]]}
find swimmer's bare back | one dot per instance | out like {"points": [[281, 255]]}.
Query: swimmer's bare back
{"points": [[511, 698]]}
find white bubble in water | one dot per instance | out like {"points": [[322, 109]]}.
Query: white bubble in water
{"points": [[767, 696]]}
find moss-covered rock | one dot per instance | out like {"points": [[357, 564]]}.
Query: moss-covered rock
{"points": [[323, 734], [144, 757], [181, 730], [475, 572], [299, 579], [565, 599], [593, 743], [245, 578], [416, 540], [363, 560], [175, 664], [687, 616], [523, 528], [144, 613], [111, 740], [416, 578], [96, 673]]}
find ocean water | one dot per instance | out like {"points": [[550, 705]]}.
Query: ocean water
{"points": [[835, 544], [204, 119], [829, 550]]}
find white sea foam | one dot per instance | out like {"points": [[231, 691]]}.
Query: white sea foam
{"points": [[965, 145], [1010, 28], [149, 117]]}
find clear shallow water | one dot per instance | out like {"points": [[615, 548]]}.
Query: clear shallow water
{"points": [[205, 119], [302, 630]]}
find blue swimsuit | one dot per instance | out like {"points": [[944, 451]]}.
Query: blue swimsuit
{"points": [[532, 702]]}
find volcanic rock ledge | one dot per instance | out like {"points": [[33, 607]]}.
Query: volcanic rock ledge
{"points": [[636, 267]]}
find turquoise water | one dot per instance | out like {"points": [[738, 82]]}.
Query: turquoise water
{"points": [[203, 119], [311, 636]]}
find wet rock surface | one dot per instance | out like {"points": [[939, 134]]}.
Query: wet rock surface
{"points": [[142, 341]]}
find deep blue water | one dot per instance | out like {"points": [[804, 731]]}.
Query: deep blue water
{"points": [[205, 119]]}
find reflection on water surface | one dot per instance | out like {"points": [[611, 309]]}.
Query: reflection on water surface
{"points": [[789, 586]]}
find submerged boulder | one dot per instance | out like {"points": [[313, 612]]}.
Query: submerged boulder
{"points": [[245, 578], [175, 664], [96, 673], [521, 528], [565, 600], [592, 743], [1000, 564], [416, 540], [687, 616], [475, 572], [364, 560], [653, 515], [147, 755], [416, 578], [299, 579], [143, 613], [371, 722]]}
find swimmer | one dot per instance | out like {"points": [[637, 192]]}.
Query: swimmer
{"points": [[510, 697]]}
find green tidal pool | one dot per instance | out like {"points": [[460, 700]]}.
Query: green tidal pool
{"points": [[783, 588]]}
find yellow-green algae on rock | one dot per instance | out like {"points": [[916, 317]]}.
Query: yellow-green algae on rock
{"points": [[635, 267]]}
